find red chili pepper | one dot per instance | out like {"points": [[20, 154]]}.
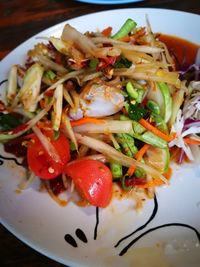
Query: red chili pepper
{"points": [[135, 181], [19, 128], [105, 62]]}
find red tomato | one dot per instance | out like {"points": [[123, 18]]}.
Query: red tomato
{"points": [[42, 164], [92, 179]]}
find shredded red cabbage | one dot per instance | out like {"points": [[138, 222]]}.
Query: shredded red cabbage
{"points": [[190, 122], [190, 73]]}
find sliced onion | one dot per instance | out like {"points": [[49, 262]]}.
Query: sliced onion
{"points": [[12, 83], [128, 46], [68, 130], [177, 101], [50, 64], [57, 107], [70, 75], [26, 182], [80, 40], [109, 126], [99, 157]]}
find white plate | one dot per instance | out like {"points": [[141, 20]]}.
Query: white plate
{"points": [[108, 2], [39, 222]]}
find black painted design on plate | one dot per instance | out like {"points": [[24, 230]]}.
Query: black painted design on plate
{"points": [[144, 225], [97, 223], [81, 235], [12, 159], [70, 240], [3, 81], [155, 228]]}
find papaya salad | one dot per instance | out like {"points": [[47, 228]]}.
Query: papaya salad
{"points": [[94, 110]]}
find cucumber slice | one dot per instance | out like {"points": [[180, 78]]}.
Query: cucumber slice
{"points": [[164, 88], [158, 158], [154, 93]]}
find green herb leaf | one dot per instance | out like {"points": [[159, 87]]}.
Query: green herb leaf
{"points": [[8, 122], [56, 135], [122, 63], [72, 146], [93, 63], [49, 74], [136, 112]]}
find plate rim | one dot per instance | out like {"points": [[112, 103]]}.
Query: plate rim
{"points": [[51, 28], [110, 2], [58, 25]]}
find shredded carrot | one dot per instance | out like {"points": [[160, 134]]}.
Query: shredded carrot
{"points": [[156, 131], [138, 157], [125, 39], [131, 170], [107, 31], [191, 141], [87, 120], [141, 152]]}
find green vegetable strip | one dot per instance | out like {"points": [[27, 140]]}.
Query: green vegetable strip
{"points": [[124, 118], [160, 123], [140, 133], [138, 128], [127, 143], [152, 139], [72, 146], [93, 63], [126, 28], [154, 107], [133, 149], [164, 88], [116, 168], [131, 90], [140, 95], [49, 74], [139, 173]]}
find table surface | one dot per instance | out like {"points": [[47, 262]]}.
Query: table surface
{"points": [[19, 20]]}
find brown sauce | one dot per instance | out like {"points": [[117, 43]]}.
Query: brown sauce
{"points": [[183, 51]]}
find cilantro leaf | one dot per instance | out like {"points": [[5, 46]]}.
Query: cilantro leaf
{"points": [[136, 112], [122, 63], [8, 122]]}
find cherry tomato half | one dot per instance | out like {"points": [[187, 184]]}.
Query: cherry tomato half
{"points": [[92, 179], [41, 163]]}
